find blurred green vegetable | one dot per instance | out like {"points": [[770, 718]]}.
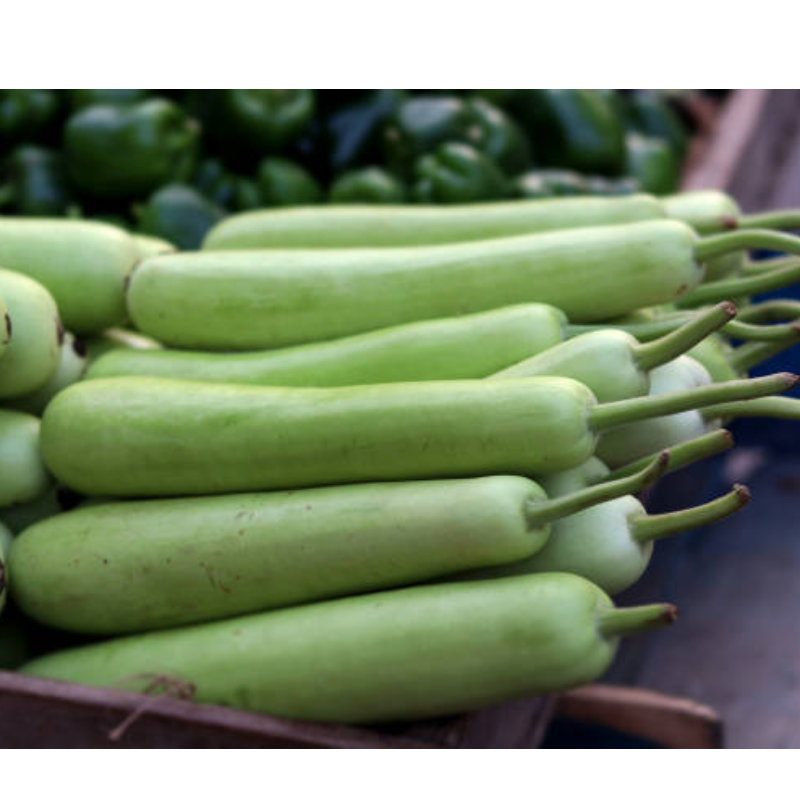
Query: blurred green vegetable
{"points": [[128, 151], [368, 185], [458, 173]]}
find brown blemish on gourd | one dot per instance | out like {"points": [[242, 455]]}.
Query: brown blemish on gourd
{"points": [[682, 289], [730, 223]]}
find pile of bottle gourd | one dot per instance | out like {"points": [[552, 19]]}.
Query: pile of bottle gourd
{"points": [[363, 464]]}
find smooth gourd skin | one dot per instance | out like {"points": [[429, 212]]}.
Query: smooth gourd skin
{"points": [[596, 544], [72, 364], [24, 476], [603, 360], [274, 298], [149, 246], [84, 265], [708, 212], [626, 443], [410, 653], [32, 355], [471, 346], [135, 566], [404, 226], [152, 437]]}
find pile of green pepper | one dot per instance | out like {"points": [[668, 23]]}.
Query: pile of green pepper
{"points": [[171, 163]]}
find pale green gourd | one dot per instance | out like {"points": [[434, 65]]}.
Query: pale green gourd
{"points": [[125, 437], [471, 346], [24, 476], [352, 226], [124, 567], [84, 265], [31, 357], [612, 363], [414, 653], [244, 300]]}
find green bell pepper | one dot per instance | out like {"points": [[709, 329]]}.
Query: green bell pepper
{"points": [[354, 130], [180, 214], [653, 163], [597, 185], [81, 98], [27, 115], [564, 183], [248, 195], [503, 98], [651, 114], [245, 124], [573, 128], [458, 173], [550, 183], [616, 100], [128, 151], [282, 182], [37, 184], [367, 185], [421, 124], [226, 189], [498, 136]]}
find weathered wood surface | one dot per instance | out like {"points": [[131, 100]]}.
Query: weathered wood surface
{"points": [[673, 722], [43, 713]]}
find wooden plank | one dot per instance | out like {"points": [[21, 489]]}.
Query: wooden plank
{"points": [[670, 721], [43, 713]]}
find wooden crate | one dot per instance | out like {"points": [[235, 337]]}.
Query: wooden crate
{"points": [[43, 713]]}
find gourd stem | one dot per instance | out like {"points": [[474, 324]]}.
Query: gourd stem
{"points": [[541, 512], [621, 412], [637, 619], [769, 407], [723, 243], [686, 453], [760, 266], [771, 311], [650, 527], [643, 331], [653, 354], [738, 287], [750, 355], [736, 329], [785, 219], [758, 333]]}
